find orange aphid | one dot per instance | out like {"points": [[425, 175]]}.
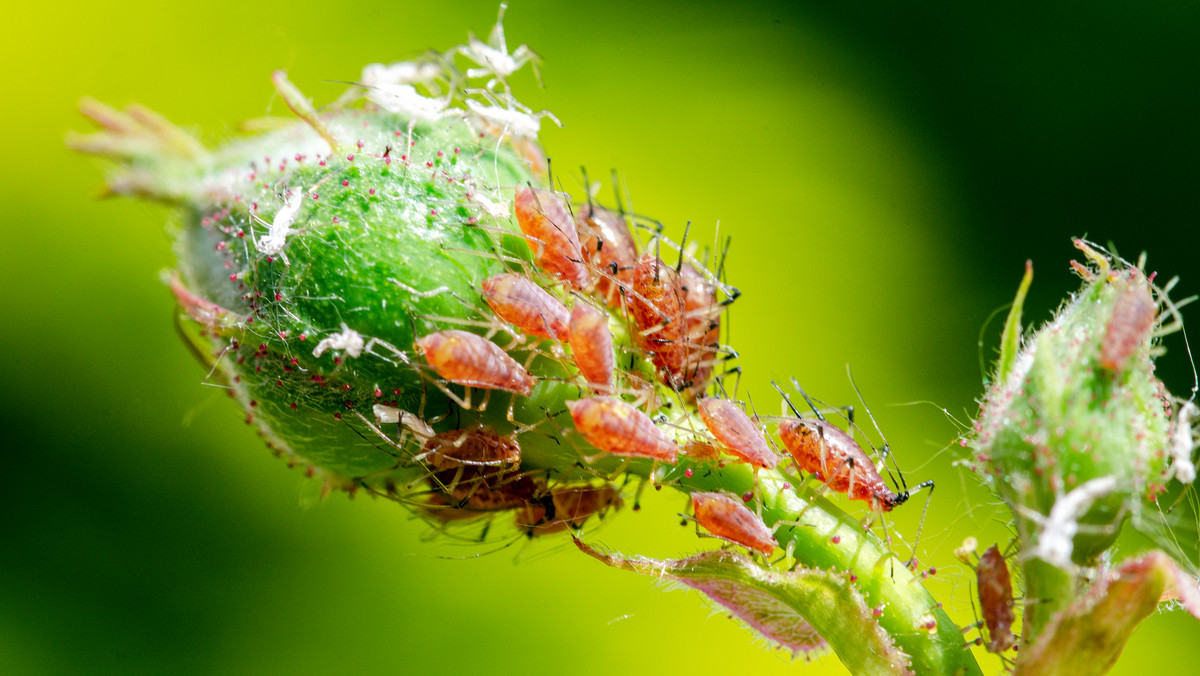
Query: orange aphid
{"points": [[736, 432], [608, 245], [478, 446], [702, 317], [551, 234], [996, 599], [529, 307], [616, 427], [838, 461], [467, 359], [657, 306], [1133, 317], [567, 507], [592, 345], [727, 518]]}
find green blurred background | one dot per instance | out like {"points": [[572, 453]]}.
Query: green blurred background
{"points": [[885, 170]]}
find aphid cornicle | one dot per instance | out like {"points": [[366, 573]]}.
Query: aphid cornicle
{"points": [[464, 358], [608, 245], [837, 461], [1133, 317], [523, 303], [592, 346], [657, 306], [996, 599], [550, 232], [736, 432], [615, 427], [727, 518]]}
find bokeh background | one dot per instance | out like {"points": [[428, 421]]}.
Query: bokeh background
{"points": [[884, 169]]}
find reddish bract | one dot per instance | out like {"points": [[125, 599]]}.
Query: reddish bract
{"points": [[592, 345], [657, 305], [467, 359], [608, 246], [736, 432], [613, 426], [523, 303], [1133, 317], [727, 518], [550, 233], [838, 461], [996, 599]]}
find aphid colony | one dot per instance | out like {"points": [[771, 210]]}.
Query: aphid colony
{"points": [[673, 317]]}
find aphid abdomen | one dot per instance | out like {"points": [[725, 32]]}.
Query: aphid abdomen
{"points": [[1133, 317], [526, 305], [736, 432], [464, 358], [836, 460], [727, 518], [608, 245], [592, 346], [657, 305], [550, 233], [613, 426], [996, 599]]}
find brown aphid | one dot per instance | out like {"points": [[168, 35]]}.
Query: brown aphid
{"points": [[657, 306], [592, 346], [837, 461], [550, 233], [608, 246], [613, 426], [702, 318], [464, 358], [996, 599], [727, 518], [1133, 317], [521, 302], [567, 507], [736, 432], [479, 446]]}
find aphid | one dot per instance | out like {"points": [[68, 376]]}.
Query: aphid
{"points": [[702, 317], [1133, 317], [736, 432], [567, 507], [523, 303], [996, 599], [613, 426], [551, 235], [479, 446], [836, 459], [727, 518], [592, 345], [657, 305], [467, 359], [608, 245]]}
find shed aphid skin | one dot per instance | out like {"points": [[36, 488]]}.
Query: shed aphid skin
{"points": [[615, 427], [520, 301], [550, 232], [493, 58], [592, 346], [349, 341], [836, 459], [1183, 443], [275, 241], [736, 432], [464, 358], [996, 599], [727, 518], [1134, 316], [1056, 541], [657, 307]]}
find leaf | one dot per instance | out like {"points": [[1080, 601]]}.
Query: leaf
{"points": [[800, 609]]}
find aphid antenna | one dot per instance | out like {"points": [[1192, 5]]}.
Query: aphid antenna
{"points": [[885, 452]]}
